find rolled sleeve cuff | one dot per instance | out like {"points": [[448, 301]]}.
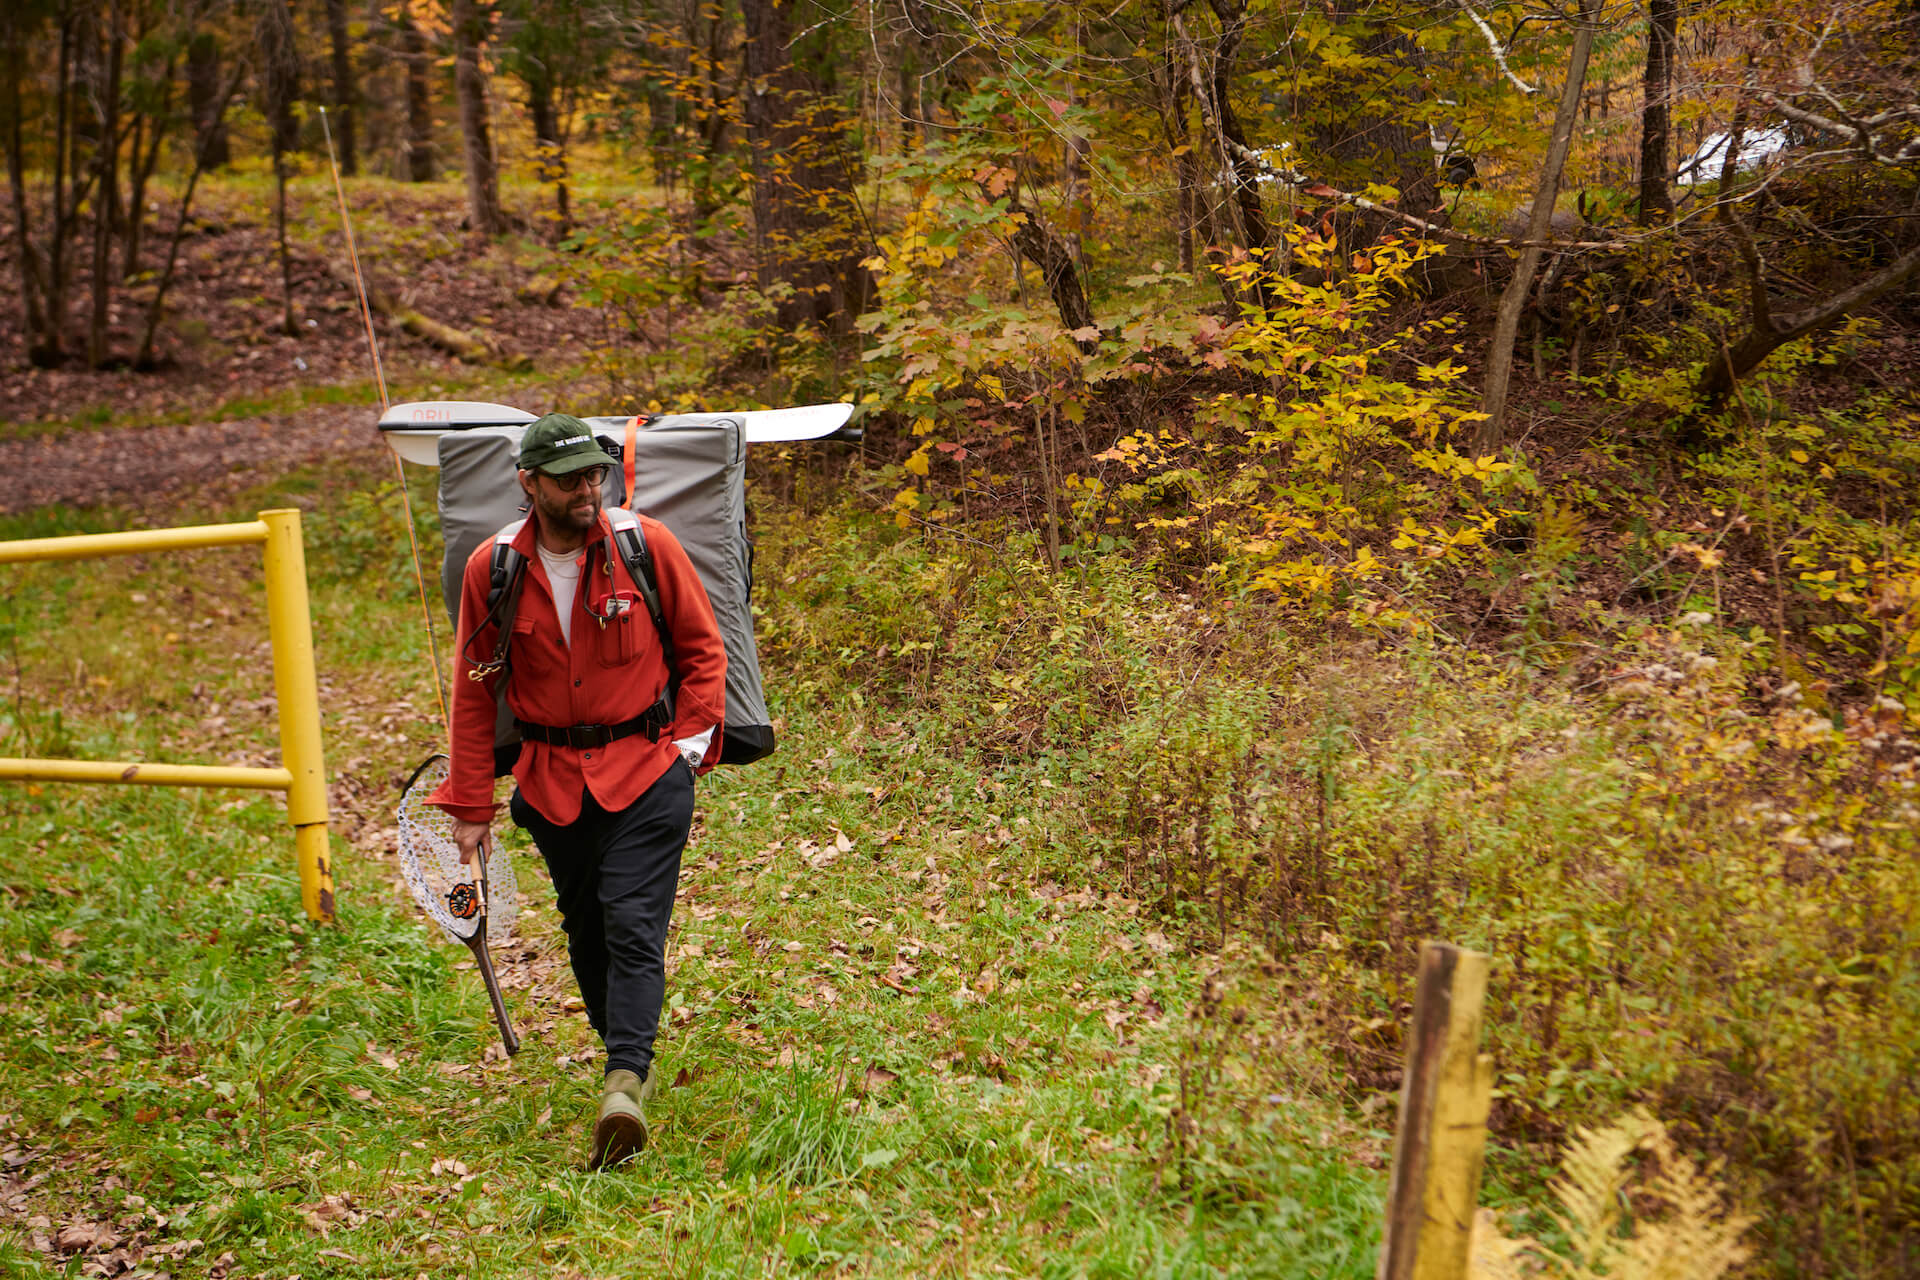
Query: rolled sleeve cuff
{"points": [[694, 746]]}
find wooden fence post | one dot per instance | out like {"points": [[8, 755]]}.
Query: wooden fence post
{"points": [[1443, 1122]]}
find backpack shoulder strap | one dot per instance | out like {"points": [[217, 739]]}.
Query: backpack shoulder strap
{"points": [[631, 540], [506, 574]]}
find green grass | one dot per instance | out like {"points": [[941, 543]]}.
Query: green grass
{"points": [[197, 1072]]}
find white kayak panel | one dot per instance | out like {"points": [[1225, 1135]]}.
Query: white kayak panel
{"points": [[414, 429], [807, 422]]}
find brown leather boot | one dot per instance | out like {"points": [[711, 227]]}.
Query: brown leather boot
{"points": [[620, 1131]]}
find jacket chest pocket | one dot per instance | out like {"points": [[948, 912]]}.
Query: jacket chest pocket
{"points": [[620, 639]]}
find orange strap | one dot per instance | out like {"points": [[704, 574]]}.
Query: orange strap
{"points": [[627, 461]]}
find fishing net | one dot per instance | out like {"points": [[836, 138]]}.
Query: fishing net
{"points": [[455, 896]]}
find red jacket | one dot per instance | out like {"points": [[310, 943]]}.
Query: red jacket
{"points": [[613, 671]]}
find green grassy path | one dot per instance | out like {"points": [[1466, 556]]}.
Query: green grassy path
{"points": [[909, 1032]]}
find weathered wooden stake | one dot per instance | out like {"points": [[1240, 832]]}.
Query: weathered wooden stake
{"points": [[1443, 1122]]}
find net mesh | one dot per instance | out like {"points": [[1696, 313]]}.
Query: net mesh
{"points": [[430, 860]]}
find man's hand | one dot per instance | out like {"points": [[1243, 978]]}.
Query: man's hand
{"points": [[468, 836]]}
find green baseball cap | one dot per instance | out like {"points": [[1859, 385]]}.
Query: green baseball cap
{"points": [[560, 444]]}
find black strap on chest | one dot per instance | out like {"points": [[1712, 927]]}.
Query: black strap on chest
{"points": [[632, 545], [506, 575]]}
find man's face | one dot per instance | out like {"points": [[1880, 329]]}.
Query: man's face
{"points": [[569, 504]]}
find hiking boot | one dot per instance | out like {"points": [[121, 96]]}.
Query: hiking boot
{"points": [[620, 1132]]}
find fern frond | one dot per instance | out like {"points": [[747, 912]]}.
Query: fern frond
{"points": [[1593, 1172], [1684, 1233], [1694, 1239], [1494, 1257]]}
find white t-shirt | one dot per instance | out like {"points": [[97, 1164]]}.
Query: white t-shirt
{"points": [[563, 571]]}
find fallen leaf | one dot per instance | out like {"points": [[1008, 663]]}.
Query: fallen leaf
{"points": [[78, 1236], [878, 1078]]}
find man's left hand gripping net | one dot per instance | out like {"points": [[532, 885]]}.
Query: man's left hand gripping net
{"points": [[455, 896]]}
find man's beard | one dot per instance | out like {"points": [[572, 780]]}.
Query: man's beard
{"points": [[574, 511]]}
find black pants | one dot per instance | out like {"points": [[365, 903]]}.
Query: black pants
{"points": [[615, 875]]}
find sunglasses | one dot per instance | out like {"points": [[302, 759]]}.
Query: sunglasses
{"points": [[592, 476]]}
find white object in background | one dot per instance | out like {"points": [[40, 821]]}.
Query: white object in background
{"points": [[1756, 148], [807, 422], [414, 429]]}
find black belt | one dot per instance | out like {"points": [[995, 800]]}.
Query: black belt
{"points": [[583, 737]]}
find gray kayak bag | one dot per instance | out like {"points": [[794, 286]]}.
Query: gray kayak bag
{"points": [[690, 475]]}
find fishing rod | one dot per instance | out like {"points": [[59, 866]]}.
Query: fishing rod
{"points": [[380, 380]]}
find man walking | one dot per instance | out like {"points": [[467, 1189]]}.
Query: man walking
{"points": [[614, 725]]}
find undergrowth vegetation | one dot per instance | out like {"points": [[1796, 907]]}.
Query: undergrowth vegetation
{"points": [[1690, 902]]}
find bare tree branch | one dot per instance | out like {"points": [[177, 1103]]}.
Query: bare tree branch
{"points": [[1497, 49], [1860, 132]]}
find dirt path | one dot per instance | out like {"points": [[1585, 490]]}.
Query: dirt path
{"points": [[152, 468]]}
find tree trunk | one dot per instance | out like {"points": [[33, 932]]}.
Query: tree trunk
{"points": [[203, 87], [549, 140], [33, 283], [1493, 400], [1174, 92], [711, 119], [142, 166], [278, 71], [1212, 84], [470, 84], [343, 94], [413, 49], [156, 308], [809, 232], [1076, 184], [136, 212], [54, 349], [1047, 250], [106, 180], [1656, 119], [1382, 136], [1767, 335]]}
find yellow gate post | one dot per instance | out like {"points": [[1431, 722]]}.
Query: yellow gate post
{"points": [[1442, 1134], [303, 775], [290, 631]]}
